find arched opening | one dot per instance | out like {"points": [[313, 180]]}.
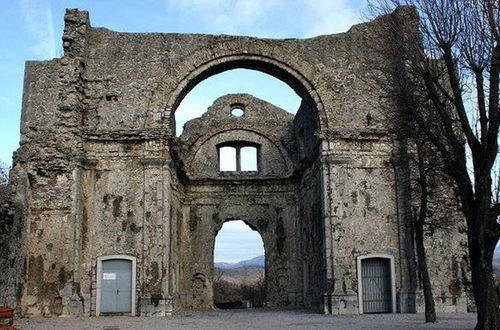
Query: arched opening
{"points": [[310, 117], [311, 102], [239, 267], [296, 89], [268, 181], [235, 81]]}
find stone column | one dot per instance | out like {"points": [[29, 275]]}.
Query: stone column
{"points": [[156, 297], [343, 300]]}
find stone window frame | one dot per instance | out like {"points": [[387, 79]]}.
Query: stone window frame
{"points": [[99, 284], [393, 278], [237, 106], [238, 145]]}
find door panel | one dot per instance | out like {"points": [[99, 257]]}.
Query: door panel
{"points": [[116, 286], [376, 282]]}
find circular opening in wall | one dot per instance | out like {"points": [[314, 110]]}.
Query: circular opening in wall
{"points": [[237, 112]]}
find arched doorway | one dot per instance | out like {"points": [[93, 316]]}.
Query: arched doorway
{"points": [[239, 267]]}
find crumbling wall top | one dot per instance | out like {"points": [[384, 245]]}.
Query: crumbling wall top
{"points": [[76, 26]]}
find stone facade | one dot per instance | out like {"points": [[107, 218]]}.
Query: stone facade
{"points": [[101, 173]]}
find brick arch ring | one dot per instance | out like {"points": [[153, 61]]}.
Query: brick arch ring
{"points": [[278, 69]]}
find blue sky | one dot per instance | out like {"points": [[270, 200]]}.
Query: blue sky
{"points": [[252, 82], [32, 30]]}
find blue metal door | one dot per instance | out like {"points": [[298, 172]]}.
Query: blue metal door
{"points": [[376, 283], [116, 286]]}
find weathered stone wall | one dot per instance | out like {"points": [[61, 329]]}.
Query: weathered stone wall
{"points": [[144, 76], [12, 250], [100, 172], [269, 208], [262, 124], [309, 171], [265, 199], [312, 230], [131, 207], [363, 212], [450, 274]]}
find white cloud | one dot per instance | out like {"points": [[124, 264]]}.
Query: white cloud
{"points": [[327, 17], [248, 12], [236, 241], [244, 12], [228, 16], [272, 17], [37, 16]]}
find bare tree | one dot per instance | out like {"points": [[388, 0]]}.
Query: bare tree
{"points": [[454, 66], [426, 165]]}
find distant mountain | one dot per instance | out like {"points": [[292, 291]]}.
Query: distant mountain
{"points": [[254, 262], [224, 265], [259, 261]]}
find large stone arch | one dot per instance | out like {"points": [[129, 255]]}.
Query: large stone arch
{"points": [[299, 75], [205, 63]]}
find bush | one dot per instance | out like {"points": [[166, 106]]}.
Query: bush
{"points": [[229, 291]]}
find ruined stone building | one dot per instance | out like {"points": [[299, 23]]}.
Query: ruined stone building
{"points": [[109, 199]]}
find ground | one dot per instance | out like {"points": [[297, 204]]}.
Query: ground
{"points": [[254, 319]]}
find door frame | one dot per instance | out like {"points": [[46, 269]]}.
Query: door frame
{"points": [[99, 281], [360, 281]]}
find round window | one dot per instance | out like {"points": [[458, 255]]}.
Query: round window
{"points": [[237, 112]]}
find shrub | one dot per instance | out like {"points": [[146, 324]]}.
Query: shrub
{"points": [[229, 291]]}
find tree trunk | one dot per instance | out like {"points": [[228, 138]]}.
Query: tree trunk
{"points": [[424, 159], [481, 247], [430, 311]]}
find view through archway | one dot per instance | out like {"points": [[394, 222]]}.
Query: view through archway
{"points": [[247, 163], [256, 83], [239, 267]]}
